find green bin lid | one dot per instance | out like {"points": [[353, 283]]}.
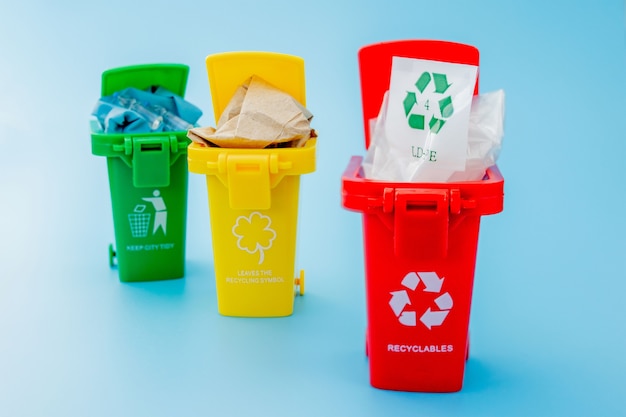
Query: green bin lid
{"points": [[170, 76]]}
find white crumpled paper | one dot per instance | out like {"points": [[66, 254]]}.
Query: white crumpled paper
{"points": [[484, 142]]}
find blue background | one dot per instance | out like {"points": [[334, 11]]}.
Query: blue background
{"points": [[547, 325]]}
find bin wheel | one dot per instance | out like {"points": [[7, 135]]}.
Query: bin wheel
{"points": [[300, 282], [112, 255]]}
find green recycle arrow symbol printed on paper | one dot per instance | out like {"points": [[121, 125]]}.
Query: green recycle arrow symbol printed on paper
{"points": [[418, 121]]}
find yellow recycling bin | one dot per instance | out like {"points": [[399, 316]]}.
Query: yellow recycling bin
{"points": [[253, 195]]}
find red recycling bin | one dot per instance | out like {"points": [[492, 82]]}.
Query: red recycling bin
{"points": [[420, 243]]}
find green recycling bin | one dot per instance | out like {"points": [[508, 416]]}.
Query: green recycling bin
{"points": [[148, 182]]}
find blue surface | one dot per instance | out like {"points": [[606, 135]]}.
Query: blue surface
{"points": [[548, 320]]}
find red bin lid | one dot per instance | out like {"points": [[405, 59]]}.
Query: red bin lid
{"points": [[375, 67]]}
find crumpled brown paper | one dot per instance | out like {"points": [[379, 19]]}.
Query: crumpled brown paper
{"points": [[258, 115]]}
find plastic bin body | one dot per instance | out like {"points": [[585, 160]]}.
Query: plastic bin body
{"points": [[253, 195], [148, 183], [420, 244]]}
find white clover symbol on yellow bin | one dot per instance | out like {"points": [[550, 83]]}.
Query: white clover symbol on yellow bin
{"points": [[254, 234]]}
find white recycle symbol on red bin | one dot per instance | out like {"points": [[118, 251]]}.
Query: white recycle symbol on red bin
{"points": [[432, 284]]}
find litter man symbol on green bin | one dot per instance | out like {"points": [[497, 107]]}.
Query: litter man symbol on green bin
{"points": [[431, 87], [140, 220]]}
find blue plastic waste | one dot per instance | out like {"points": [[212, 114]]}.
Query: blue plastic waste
{"points": [[154, 110]]}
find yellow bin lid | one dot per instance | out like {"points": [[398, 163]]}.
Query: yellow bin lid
{"points": [[228, 70]]}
